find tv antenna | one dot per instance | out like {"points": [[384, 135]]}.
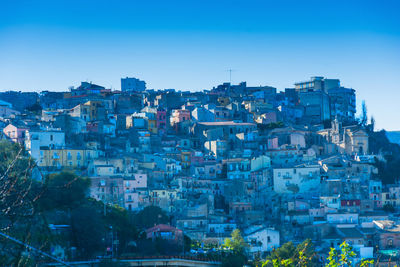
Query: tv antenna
{"points": [[230, 74]]}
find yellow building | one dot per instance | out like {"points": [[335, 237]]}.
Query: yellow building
{"points": [[89, 111], [152, 126], [186, 158], [67, 157], [224, 101], [356, 141]]}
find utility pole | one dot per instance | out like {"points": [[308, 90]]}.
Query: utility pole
{"points": [[116, 244], [112, 242], [183, 243]]}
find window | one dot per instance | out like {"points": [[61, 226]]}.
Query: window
{"points": [[51, 137]]}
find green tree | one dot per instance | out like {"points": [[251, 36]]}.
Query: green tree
{"points": [[18, 214], [371, 126], [389, 169], [150, 216], [64, 190], [28, 207], [17, 190], [88, 230], [278, 263], [118, 218], [237, 248], [290, 255], [35, 108], [364, 114], [236, 243], [344, 257]]}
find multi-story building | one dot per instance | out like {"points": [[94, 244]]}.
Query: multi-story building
{"points": [[131, 85], [16, 133], [37, 139], [89, 111], [317, 106], [317, 83], [294, 180], [343, 104], [66, 157]]}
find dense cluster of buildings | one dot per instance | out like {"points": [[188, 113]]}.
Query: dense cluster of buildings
{"points": [[280, 166]]}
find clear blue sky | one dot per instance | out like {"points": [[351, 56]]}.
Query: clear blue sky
{"points": [[189, 45]]}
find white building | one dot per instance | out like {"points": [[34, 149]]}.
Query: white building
{"points": [[35, 139], [331, 202], [139, 181], [342, 218], [296, 179], [104, 170], [261, 162], [298, 139], [261, 239]]}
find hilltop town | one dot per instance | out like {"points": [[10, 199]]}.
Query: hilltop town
{"points": [[279, 166]]}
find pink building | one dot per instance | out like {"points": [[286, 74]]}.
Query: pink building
{"points": [[131, 200], [93, 127], [272, 143], [180, 115], [165, 232], [197, 158], [388, 234], [161, 118], [140, 181], [15, 133]]}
